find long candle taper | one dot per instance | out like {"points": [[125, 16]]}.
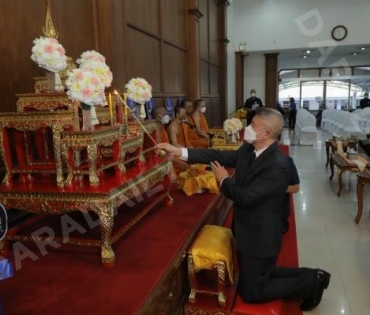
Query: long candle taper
{"points": [[110, 104], [129, 109]]}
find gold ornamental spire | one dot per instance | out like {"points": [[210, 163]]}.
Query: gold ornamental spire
{"points": [[48, 29]]}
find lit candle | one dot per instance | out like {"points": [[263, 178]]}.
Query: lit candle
{"points": [[125, 104], [110, 104]]}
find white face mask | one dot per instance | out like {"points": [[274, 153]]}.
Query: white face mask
{"points": [[164, 119], [203, 110], [253, 94], [250, 135]]}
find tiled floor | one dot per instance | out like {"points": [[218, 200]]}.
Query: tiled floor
{"points": [[328, 237]]}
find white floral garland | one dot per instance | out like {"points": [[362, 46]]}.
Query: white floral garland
{"points": [[49, 54]]}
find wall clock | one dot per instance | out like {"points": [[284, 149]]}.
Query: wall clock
{"points": [[339, 33]]}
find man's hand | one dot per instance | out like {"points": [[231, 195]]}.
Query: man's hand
{"points": [[219, 171], [169, 148]]}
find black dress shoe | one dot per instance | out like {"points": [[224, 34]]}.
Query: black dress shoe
{"points": [[322, 283]]}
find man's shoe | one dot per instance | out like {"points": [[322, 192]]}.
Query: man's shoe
{"points": [[322, 283]]}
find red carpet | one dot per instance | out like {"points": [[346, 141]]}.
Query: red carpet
{"points": [[289, 257], [70, 279]]}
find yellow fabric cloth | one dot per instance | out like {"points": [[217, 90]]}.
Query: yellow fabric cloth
{"points": [[191, 182], [360, 162], [213, 244], [340, 147]]}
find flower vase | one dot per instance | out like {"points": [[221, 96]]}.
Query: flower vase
{"points": [[87, 124], [141, 111], [58, 86], [232, 138]]}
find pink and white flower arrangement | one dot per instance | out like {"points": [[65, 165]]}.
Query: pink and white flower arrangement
{"points": [[232, 125], [90, 55], [139, 90], [100, 69], [85, 86], [49, 54]]}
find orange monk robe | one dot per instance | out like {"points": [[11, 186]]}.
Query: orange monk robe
{"points": [[164, 135], [195, 140]]}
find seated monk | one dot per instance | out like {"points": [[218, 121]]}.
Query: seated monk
{"points": [[198, 135], [178, 136], [162, 119]]}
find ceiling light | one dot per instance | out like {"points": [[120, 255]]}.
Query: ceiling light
{"points": [[308, 51], [304, 56], [363, 48], [354, 54]]}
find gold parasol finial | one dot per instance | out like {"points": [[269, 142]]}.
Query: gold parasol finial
{"points": [[48, 29]]}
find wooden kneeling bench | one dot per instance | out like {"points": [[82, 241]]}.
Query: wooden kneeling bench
{"points": [[210, 263]]}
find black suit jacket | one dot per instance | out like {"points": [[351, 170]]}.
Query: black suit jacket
{"points": [[258, 192]]}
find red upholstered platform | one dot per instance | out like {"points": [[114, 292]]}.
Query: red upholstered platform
{"points": [[269, 308]]}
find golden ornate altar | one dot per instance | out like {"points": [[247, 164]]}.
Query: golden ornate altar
{"points": [[53, 167]]}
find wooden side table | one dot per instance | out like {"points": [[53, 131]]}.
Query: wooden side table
{"points": [[363, 178], [331, 147], [73, 141]]}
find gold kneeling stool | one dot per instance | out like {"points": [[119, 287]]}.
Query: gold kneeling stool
{"points": [[212, 250]]}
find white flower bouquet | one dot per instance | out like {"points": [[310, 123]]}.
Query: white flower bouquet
{"points": [[139, 90], [49, 54], [90, 55], [85, 86], [232, 125], [100, 69]]}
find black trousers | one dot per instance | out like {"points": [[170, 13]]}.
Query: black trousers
{"points": [[292, 118], [260, 280]]}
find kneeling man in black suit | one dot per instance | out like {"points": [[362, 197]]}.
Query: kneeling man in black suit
{"points": [[258, 190]]}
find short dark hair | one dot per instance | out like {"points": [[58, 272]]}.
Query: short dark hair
{"points": [[276, 120], [185, 100], [177, 109], [198, 101]]}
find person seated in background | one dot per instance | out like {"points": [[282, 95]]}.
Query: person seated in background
{"points": [[178, 136], [251, 104], [292, 113], [162, 119], [365, 102], [198, 138], [293, 188]]}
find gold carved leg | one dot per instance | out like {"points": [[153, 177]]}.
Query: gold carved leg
{"points": [[340, 183], [121, 160], [92, 160], [65, 155], [106, 226], [192, 279], [221, 274], [58, 155]]}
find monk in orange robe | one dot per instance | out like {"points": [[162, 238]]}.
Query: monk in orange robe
{"points": [[198, 134], [178, 136]]}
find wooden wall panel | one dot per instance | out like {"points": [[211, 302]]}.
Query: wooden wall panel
{"points": [[20, 24], [141, 57], [174, 22], [204, 78], [174, 71], [203, 31], [214, 75], [146, 38], [214, 36], [144, 14]]}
